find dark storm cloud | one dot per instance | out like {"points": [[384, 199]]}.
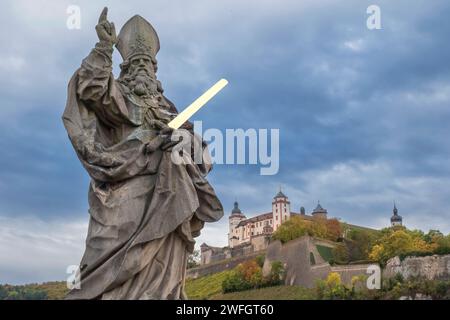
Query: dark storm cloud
{"points": [[332, 86]]}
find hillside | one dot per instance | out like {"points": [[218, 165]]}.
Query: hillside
{"points": [[210, 287], [372, 232], [271, 293], [205, 287], [55, 290]]}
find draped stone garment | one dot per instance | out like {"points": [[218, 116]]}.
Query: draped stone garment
{"points": [[144, 209]]}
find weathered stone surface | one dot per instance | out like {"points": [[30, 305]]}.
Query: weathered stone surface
{"points": [[296, 258], [220, 266], [144, 210], [429, 267], [418, 296]]}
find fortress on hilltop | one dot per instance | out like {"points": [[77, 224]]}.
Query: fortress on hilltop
{"points": [[249, 235]]}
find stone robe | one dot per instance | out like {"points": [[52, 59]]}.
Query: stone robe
{"points": [[144, 209]]}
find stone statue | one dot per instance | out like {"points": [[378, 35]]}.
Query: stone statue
{"points": [[145, 211]]}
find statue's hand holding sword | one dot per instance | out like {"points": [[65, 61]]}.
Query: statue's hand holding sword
{"points": [[163, 140]]}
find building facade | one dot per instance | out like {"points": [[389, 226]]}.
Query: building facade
{"points": [[243, 230], [249, 235]]}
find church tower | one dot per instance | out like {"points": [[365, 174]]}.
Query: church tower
{"points": [[234, 219], [396, 220], [281, 209]]}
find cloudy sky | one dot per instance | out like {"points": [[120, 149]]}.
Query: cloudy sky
{"points": [[363, 114]]}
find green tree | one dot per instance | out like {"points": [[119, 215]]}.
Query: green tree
{"points": [[3, 292], [260, 260], [277, 274], [361, 242]]}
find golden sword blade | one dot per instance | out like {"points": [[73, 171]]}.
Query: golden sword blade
{"points": [[197, 104]]}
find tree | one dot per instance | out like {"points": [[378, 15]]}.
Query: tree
{"points": [[341, 254], [332, 288], [440, 242], [277, 274], [399, 242], [293, 228], [360, 244], [318, 228], [248, 275], [334, 229], [3, 292], [260, 260], [245, 276], [296, 227], [251, 272], [193, 259], [433, 236]]}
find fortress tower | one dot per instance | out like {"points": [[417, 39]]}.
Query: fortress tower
{"points": [[281, 209], [236, 216], [319, 212]]}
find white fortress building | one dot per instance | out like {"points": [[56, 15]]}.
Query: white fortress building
{"points": [[244, 230], [247, 235]]}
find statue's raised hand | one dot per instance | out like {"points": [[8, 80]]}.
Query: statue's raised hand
{"points": [[106, 31]]}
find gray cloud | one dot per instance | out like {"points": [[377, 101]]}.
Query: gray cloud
{"points": [[37, 250]]}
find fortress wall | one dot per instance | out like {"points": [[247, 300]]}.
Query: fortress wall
{"points": [[429, 267], [220, 266], [260, 242], [295, 256], [320, 271], [347, 272]]}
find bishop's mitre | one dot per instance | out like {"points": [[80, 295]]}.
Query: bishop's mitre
{"points": [[137, 37]]}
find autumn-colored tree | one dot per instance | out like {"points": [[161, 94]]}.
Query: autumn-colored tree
{"points": [[296, 227], [334, 229], [293, 228], [250, 271], [332, 288], [318, 228], [248, 275], [399, 242]]}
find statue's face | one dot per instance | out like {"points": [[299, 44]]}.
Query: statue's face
{"points": [[141, 65], [141, 76]]}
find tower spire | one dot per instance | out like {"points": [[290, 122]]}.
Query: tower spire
{"points": [[396, 219], [280, 194], [236, 208]]}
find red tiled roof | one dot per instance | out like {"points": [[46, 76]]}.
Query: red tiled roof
{"points": [[261, 217], [266, 216]]}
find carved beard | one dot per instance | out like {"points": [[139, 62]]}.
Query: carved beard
{"points": [[141, 83]]}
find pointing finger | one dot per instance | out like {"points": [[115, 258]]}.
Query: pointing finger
{"points": [[103, 15]]}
